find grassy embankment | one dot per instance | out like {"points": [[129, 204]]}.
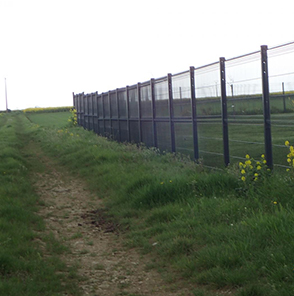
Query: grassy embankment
{"points": [[26, 267], [212, 229]]}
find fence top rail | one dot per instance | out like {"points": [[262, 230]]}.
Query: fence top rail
{"points": [[130, 87], [282, 45], [181, 73], [243, 56], [160, 79], [205, 66]]}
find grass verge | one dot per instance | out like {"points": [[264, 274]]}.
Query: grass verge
{"points": [[205, 227], [26, 268]]}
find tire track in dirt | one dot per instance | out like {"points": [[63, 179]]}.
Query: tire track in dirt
{"points": [[75, 216]]}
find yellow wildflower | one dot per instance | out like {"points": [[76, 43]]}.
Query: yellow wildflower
{"points": [[275, 202], [243, 178], [287, 143], [258, 167], [255, 175], [287, 170], [262, 156], [264, 161], [161, 183], [289, 160], [243, 172], [248, 162], [247, 156]]}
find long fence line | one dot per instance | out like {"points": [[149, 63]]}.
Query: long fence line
{"points": [[193, 111]]}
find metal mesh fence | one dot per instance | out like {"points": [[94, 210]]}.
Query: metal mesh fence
{"points": [[281, 86], [215, 114], [208, 106], [244, 105]]}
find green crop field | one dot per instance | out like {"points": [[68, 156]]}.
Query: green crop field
{"points": [[218, 232], [57, 119]]}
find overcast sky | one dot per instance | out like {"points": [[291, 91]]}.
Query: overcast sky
{"points": [[50, 49]]}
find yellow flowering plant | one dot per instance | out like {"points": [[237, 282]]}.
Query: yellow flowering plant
{"points": [[253, 171], [290, 156], [73, 119]]}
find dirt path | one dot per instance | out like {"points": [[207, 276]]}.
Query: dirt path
{"points": [[76, 218]]}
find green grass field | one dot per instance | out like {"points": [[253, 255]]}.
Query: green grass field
{"points": [[56, 119], [210, 229]]}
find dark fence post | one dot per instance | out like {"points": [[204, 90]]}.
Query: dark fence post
{"points": [[139, 111], [224, 111], [128, 114], [153, 112], [95, 117], [284, 97], [93, 121], [171, 112], [194, 113], [88, 111], [98, 118], [118, 116], [83, 110], [110, 114], [266, 107], [103, 114], [74, 101]]}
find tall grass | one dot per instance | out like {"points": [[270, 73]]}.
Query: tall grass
{"points": [[24, 270], [205, 227]]}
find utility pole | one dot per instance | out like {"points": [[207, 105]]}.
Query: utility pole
{"points": [[6, 96]]}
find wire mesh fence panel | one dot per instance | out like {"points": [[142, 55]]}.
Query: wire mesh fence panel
{"points": [[207, 91], [115, 130], [90, 104], [86, 122], [133, 102], [107, 128], [86, 107], [163, 136], [100, 106], [147, 133], [146, 104], [122, 103], [134, 131], [96, 127], [113, 105], [95, 110], [161, 97], [91, 123], [184, 138], [245, 107], [208, 108], [210, 142], [123, 130], [101, 127], [281, 83], [181, 95], [106, 105]]}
